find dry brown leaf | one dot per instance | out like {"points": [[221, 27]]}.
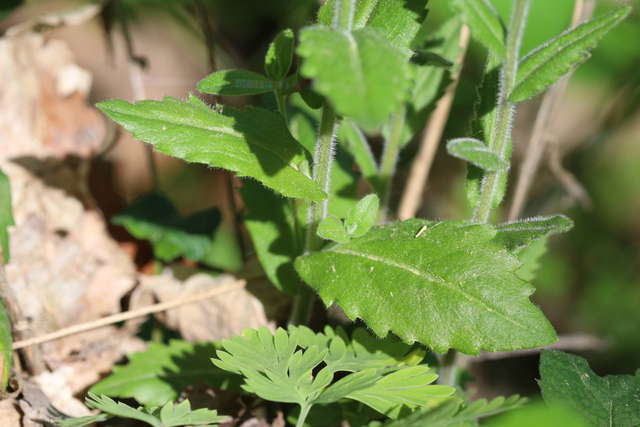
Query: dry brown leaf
{"points": [[212, 319]]}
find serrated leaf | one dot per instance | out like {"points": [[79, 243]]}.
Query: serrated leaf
{"points": [[235, 82], [345, 68], [332, 228], [254, 142], [273, 234], [530, 256], [568, 380], [453, 413], [397, 20], [279, 55], [362, 216], [6, 214], [158, 375], [484, 23], [521, 233], [6, 344], [452, 274], [544, 65], [477, 153]]}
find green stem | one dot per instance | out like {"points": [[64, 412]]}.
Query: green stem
{"points": [[389, 160], [281, 102], [448, 368], [493, 183], [304, 411], [343, 17], [323, 162]]}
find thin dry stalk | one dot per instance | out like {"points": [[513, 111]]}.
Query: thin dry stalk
{"points": [[128, 315], [412, 196], [582, 11]]}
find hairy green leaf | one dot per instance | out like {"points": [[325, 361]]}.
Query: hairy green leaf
{"points": [[273, 233], [397, 20], [361, 218], [476, 153], [235, 82], [332, 228], [544, 65], [613, 400], [408, 276], [159, 374], [6, 344], [484, 23], [279, 55], [521, 233], [6, 214], [254, 142], [345, 68]]}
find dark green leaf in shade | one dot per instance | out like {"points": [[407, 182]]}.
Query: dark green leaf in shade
{"points": [[346, 69], [6, 344], [521, 233], [483, 124], [544, 65], [397, 20], [568, 380], [159, 374], [279, 55], [273, 233], [429, 82], [332, 228], [425, 57], [455, 413], [224, 251], [484, 23], [6, 214], [362, 216], [235, 82], [408, 276], [253, 142], [530, 257], [477, 153]]}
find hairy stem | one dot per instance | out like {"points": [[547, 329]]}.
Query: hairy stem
{"points": [[493, 182], [390, 159]]}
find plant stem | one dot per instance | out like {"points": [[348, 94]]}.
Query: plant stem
{"points": [[304, 411], [390, 159], [323, 162], [281, 102], [493, 182], [448, 370]]}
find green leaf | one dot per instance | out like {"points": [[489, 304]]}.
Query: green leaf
{"points": [[361, 218], [530, 256], [332, 228], [273, 234], [484, 23], [158, 375], [182, 415], [254, 142], [536, 414], [613, 400], [544, 65], [346, 69], [6, 346], [235, 82], [476, 153], [279, 55], [521, 233], [397, 20], [408, 276], [430, 83], [119, 409], [6, 214], [82, 421], [453, 413], [353, 140]]}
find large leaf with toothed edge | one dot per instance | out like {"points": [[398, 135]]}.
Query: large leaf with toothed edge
{"points": [[253, 142], [445, 285]]}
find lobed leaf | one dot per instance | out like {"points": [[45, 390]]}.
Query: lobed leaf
{"points": [[484, 23], [521, 233], [235, 82], [397, 20], [254, 142], [362, 216], [477, 153], [119, 409], [159, 374], [332, 228], [279, 55], [544, 65], [345, 68], [613, 400], [411, 275]]}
